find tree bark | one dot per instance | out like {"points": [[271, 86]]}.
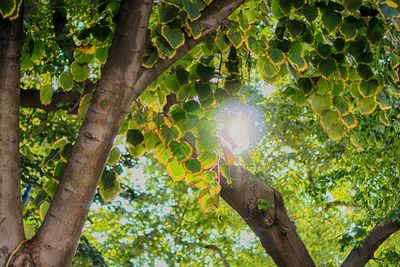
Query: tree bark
{"points": [[359, 256], [11, 227], [58, 237], [271, 224]]}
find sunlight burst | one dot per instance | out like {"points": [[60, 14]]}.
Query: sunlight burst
{"points": [[239, 133]]}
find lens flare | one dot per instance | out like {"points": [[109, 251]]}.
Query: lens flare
{"points": [[239, 133]]}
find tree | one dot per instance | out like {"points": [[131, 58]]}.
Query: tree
{"points": [[175, 60]]}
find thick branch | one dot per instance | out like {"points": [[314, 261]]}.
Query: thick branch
{"points": [[11, 230], [67, 100], [272, 225], [215, 15], [359, 256], [58, 237], [61, 100]]}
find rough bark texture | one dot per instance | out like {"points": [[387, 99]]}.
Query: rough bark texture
{"points": [[359, 256], [272, 225], [11, 229], [56, 242]]}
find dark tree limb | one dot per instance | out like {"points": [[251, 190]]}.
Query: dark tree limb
{"points": [[271, 224], [61, 100], [11, 229], [359, 256]]}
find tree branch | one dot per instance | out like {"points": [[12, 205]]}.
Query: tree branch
{"points": [[11, 229], [212, 17], [61, 100], [272, 225], [359, 256]]}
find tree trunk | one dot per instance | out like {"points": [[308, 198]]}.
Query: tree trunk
{"points": [[58, 237], [11, 227]]}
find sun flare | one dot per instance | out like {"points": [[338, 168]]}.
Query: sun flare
{"points": [[239, 133]]}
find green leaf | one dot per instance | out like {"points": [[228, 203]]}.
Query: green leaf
{"points": [[205, 144], [181, 150], [46, 94], [232, 86], [331, 19], [182, 76], [66, 81], [276, 56], [167, 13], [235, 37], [150, 141], [285, 5], [84, 105], [175, 170], [7, 8], [101, 32], [193, 165], [193, 8], [295, 27], [114, 156], [173, 35], [365, 71], [43, 208], [203, 90], [109, 186], [336, 132], [205, 72], [207, 159], [352, 5], [150, 59], [207, 203], [384, 100], [192, 107], [29, 230], [342, 106], [177, 113], [310, 12], [168, 134], [329, 118], [193, 29], [163, 48], [349, 30], [102, 54], [320, 103], [267, 69], [369, 88], [134, 137], [327, 66], [225, 172], [350, 121], [79, 72], [366, 105], [162, 153]]}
